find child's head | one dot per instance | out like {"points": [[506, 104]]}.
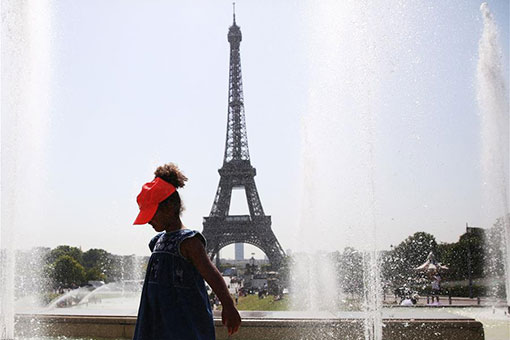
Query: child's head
{"points": [[170, 173], [159, 201]]}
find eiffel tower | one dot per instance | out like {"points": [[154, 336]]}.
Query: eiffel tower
{"points": [[221, 228]]}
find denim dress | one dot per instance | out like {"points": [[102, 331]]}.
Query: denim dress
{"points": [[174, 303]]}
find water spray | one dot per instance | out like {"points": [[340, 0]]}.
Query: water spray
{"points": [[493, 104]]}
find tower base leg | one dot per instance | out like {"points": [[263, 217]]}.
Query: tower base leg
{"points": [[218, 260]]}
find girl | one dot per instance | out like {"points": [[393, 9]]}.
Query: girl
{"points": [[174, 302]]}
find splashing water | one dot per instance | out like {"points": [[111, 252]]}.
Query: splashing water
{"points": [[493, 104], [25, 76], [338, 167]]}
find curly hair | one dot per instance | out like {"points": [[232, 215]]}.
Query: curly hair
{"points": [[172, 174]]}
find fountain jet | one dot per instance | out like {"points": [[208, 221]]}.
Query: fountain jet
{"points": [[493, 105]]}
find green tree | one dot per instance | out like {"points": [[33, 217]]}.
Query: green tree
{"points": [[125, 268], [472, 243], [99, 258], [350, 269], [470, 247], [264, 268], [454, 256], [98, 264], [31, 279], [95, 274], [66, 272], [399, 264], [284, 270], [59, 251], [494, 239]]}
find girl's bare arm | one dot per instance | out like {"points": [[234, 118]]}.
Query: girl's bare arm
{"points": [[194, 250]]}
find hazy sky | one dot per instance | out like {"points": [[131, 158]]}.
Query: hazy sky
{"points": [[135, 84]]}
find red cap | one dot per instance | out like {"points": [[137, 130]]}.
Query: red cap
{"points": [[149, 198]]}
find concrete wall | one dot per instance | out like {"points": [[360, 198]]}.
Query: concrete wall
{"points": [[257, 329]]}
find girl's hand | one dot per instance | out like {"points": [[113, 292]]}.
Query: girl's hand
{"points": [[231, 319]]}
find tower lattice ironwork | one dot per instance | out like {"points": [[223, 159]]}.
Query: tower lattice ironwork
{"points": [[221, 228]]}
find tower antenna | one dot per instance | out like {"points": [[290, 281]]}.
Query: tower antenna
{"points": [[234, 11]]}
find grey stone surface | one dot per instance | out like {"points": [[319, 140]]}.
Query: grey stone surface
{"points": [[260, 325]]}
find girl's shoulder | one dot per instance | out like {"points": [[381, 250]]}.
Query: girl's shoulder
{"points": [[188, 233], [153, 241], [170, 241]]}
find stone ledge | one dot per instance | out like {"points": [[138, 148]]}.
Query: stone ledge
{"points": [[119, 327]]}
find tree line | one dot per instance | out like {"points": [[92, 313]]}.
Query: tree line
{"points": [[477, 257], [46, 269]]}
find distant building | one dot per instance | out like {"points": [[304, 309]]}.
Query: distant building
{"points": [[239, 247]]}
